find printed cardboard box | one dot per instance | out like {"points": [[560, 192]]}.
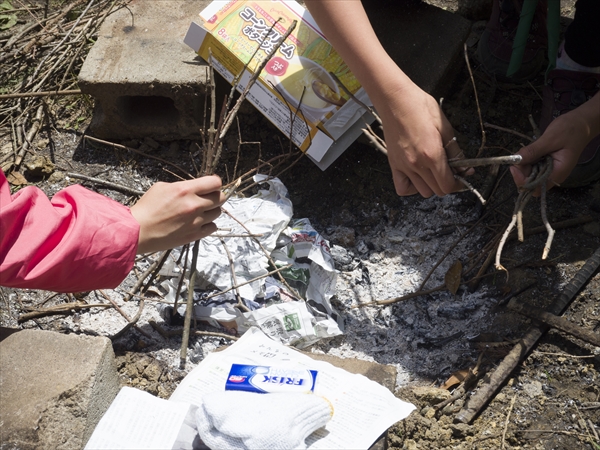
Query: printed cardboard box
{"points": [[299, 88]]}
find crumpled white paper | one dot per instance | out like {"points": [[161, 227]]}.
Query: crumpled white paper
{"points": [[273, 306], [265, 214]]}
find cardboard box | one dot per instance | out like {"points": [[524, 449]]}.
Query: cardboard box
{"points": [[295, 91]]}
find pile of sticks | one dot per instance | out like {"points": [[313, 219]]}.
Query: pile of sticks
{"points": [[40, 58]]}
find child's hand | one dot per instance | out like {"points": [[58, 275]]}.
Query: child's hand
{"points": [[419, 141], [564, 140], [174, 214]]}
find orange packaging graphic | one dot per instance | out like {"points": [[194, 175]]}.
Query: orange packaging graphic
{"points": [[299, 88]]}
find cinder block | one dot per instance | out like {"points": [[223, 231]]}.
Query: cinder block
{"points": [[424, 40], [145, 80], [54, 388]]}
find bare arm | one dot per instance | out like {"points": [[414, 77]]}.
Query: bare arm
{"points": [[415, 128]]}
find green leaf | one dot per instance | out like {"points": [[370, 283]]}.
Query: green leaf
{"points": [[6, 5], [7, 21]]}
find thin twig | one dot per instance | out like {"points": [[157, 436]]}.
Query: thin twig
{"points": [[560, 323], [354, 98], [153, 269], [273, 272], [109, 184], [471, 188], [189, 307], [123, 147], [390, 301], [536, 131], [40, 94], [571, 433], [37, 122], [565, 355], [466, 384], [520, 351], [64, 308], [538, 178], [180, 284], [549, 228], [508, 130], [131, 322], [171, 333], [265, 252], [476, 100], [231, 114], [375, 140], [125, 316], [512, 404], [240, 302], [476, 162]]}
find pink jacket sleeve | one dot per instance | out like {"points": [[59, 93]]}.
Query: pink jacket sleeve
{"points": [[78, 241]]}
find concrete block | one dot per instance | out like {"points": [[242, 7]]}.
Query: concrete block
{"points": [[54, 388], [425, 41], [145, 80]]}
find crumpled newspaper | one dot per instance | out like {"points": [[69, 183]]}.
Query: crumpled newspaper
{"points": [[276, 306]]}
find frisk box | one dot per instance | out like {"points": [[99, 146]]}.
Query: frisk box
{"points": [[270, 379], [304, 74]]}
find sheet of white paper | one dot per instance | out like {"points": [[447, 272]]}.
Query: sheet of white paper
{"points": [[363, 409], [139, 420]]}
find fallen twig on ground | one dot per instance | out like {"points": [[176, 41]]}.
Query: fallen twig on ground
{"points": [[570, 433], [565, 355], [472, 376], [171, 333], [124, 147], [519, 352], [560, 323], [36, 124], [512, 404], [150, 272], [131, 322], [118, 187], [64, 308], [40, 94], [125, 316], [452, 247]]}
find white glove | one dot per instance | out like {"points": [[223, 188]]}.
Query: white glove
{"points": [[247, 420]]}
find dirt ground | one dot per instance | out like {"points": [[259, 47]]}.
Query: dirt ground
{"points": [[552, 399]]}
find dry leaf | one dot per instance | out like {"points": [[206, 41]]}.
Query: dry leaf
{"points": [[452, 277], [455, 379], [16, 179]]}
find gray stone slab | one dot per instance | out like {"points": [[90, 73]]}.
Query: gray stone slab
{"points": [[147, 82], [54, 388]]}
